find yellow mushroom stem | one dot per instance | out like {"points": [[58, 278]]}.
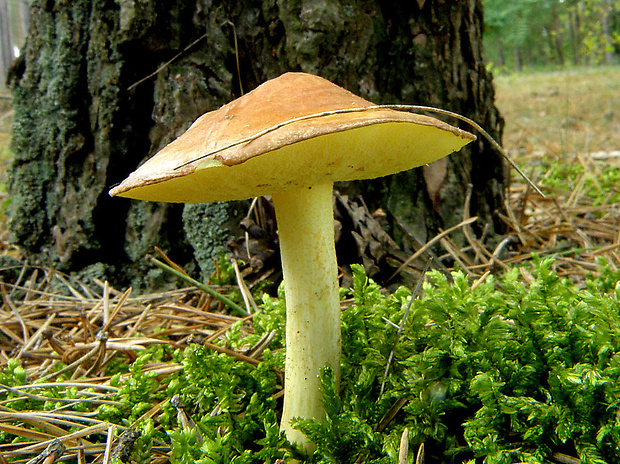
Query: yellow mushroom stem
{"points": [[306, 231]]}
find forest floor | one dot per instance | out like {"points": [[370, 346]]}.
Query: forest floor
{"points": [[563, 130], [560, 114]]}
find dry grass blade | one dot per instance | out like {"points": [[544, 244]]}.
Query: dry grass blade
{"points": [[35, 338], [250, 304], [52, 453], [234, 354], [70, 438], [567, 225], [9, 304], [108, 444], [416, 108], [48, 320], [390, 414], [238, 309], [39, 423], [24, 432]]}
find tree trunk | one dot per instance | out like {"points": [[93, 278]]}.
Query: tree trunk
{"points": [[104, 84], [608, 48], [574, 25], [555, 37], [6, 50]]}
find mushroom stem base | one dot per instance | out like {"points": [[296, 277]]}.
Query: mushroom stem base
{"points": [[306, 231]]}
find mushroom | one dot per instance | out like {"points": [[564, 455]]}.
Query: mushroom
{"points": [[292, 138]]}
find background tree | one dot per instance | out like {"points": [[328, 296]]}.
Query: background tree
{"points": [[104, 84], [14, 19], [552, 32]]}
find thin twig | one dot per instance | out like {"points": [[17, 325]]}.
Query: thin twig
{"points": [[402, 325], [9, 304], [97, 428], [218, 296], [246, 294], [430, 243]]}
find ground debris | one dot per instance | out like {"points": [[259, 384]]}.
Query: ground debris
{"points": [[64, 336]]}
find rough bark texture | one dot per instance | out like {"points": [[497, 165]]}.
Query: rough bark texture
{"points": [[81, 125]]}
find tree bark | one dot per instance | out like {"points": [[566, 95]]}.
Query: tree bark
{"points": [[104, 84], [6, 49]]}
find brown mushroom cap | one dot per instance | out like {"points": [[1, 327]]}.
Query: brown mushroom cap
{"points": [[326, 148]]}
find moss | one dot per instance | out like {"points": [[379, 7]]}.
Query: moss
{"points": [[27, 217], [91, 274]]}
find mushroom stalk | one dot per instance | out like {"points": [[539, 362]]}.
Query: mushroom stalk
{"points": [[306, 232]]}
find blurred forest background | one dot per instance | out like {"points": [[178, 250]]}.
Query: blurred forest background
{"points": [[14, 18], [551, 33]]}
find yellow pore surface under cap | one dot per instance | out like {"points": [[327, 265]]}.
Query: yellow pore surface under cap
{"points": [[365, 152]]}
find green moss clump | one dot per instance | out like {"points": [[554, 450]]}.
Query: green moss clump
{"points": [[498, 373]]}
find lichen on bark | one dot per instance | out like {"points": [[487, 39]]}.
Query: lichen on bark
{"points": [[208, 229]]}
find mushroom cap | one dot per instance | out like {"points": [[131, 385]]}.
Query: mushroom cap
{"points": [[214, 160]]}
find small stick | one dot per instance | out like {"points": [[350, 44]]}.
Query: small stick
{"points": [[480, 280], [234, 354], [98, 428], [139, 322], [403, 450], [168, 261], [36, 336], [52, 453], [72, 365], [453, 251], [102, 338], [9, 304], [106, 303], [390, 414], [227, 301], [117, 308], [250, 304], [565, 458], [81, 456], [260, 346]]}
